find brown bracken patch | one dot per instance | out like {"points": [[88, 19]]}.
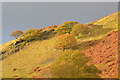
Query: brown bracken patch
{"points": [[104, 54]]}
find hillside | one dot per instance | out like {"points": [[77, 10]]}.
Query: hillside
{"points": [[110, 21], [39, 53], [105, 54], [33, 54]]}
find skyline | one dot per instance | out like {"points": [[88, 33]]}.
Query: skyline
{"points": [[22, 16], [60, 1]]}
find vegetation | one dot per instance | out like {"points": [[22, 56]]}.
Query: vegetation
{"points": [[24, 40], [79, 30], [37, 53], [29, 31], [66, 41], [73, 64], [66, 27], [63, 51], [31, 34], [16, 33], [110, 21]]}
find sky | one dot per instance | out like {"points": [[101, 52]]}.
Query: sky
{"points": [[26, 15], [60, 0]]}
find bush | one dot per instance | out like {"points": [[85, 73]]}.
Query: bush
{"points": [[66, 41], [29, 31], [73, 64], [16, 33], [66, 27], [31, 34], [63, 70], [79, 29], [36, 34]]}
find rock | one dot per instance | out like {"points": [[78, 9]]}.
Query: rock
{"points": [[14, 69]]}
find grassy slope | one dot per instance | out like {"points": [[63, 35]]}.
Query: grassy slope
{"points": [[38, 53], [110, 21], [42, 53], [3, 46]]}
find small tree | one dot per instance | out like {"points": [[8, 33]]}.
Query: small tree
{"points": [[66, 41], [16, 33]]}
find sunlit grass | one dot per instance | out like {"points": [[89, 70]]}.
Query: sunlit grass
{"points": [[41, 53], [38, 53]]}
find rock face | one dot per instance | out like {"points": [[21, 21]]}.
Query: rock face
{"points": [[104, 54]]}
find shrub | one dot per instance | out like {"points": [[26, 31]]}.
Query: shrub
{"points": [[29, 31], [66, 27], [73, 64], [63, 70], [16, 33], [36, 34], [66, 41], [79, 29], [33, 35]]}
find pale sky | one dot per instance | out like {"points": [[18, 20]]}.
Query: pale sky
{"points": [[26, 15], [59, 0]]}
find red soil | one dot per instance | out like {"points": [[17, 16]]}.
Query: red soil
{"points": [[104, 54]]}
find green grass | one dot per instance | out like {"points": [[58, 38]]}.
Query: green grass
{"points": [[95, 34], [38, 53], [110, 21]]}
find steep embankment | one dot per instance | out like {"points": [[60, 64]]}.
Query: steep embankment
{"points": [[104, 54]]}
